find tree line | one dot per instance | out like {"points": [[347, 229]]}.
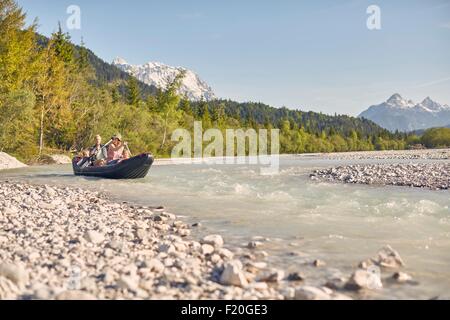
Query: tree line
{"points": [[56, 96]]}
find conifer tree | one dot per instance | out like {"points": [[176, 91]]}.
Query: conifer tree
{"points": [[133, 94]]}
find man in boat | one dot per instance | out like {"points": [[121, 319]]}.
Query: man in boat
{"points": [[98, 152]]}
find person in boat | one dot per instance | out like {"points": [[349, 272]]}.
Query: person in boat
{"points": [[126, 153], [98, 152], [115, 150]]}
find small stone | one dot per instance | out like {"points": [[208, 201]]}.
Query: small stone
{"points": [[42, 292], [214, 239], [233, 274], [47, 206], [75, 295], [141, 234], [295, 276], [363, 279], [319, 263], [94, 237], [129, 283], [389, 258], [10, 211], [401, 277], [167, 248], [16, 273], [254, 244], [225, 253], [155, 265], [311, 293], [261, 254], [260, 286], [184, 232], [340, 296], [180, 246], [207, 249], [288, 293], [273, 275], [8, 290]]}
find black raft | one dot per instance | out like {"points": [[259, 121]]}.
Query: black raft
{"points": [[133, 168]]}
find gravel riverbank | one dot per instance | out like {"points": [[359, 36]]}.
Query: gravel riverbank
{"points": [[426, 154], [63, 243], [434, 176]]}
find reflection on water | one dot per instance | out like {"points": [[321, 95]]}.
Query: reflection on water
{"points": [[341, 224]]}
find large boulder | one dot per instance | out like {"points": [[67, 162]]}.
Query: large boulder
{"points": [[8, 162]]}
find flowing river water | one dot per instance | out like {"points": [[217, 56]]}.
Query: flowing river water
{"points": [[303, 220]]}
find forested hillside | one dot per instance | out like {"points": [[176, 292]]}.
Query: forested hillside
{"points": [[55, 97], [105, 73]]}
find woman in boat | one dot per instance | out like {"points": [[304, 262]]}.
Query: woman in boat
{"points": [[115, 149]]}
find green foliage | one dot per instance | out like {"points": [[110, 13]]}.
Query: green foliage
{"points": [[56, 95], [17, 122], [133, 94], [436, 138]]}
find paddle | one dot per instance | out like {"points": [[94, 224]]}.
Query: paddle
{"points": [[128, 149]]}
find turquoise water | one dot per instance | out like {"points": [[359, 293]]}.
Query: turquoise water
{"points": [[304, 219]]}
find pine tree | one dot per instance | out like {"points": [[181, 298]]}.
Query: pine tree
{"points": [[206, 118], [63, 48], [185, 106], [133, 94], [83, 57], [115, 95]]}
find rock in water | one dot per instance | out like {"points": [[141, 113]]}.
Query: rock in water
{"points": [[363, 279], [319, 263], [401, 277], [389, 258], [386, 258], [233, 274], [214, 240], [273, 275]]}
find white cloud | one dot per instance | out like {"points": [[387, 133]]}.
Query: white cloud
{"points": [[432, 83]]}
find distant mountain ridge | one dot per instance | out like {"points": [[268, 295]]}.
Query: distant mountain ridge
{"points": [[160, 75], [106, 73], [398, 113]]}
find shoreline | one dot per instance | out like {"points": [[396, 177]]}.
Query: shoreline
{"points": [[432, 176], [69, 243], [54, 234]]}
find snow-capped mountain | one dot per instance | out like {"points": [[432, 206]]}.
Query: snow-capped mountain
{"points": [[401, 114], [160, 75]]}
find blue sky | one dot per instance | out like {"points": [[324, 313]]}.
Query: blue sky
{"points": [[312, 55]]}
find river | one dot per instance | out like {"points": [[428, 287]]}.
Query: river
{"points": [[302, 219]]}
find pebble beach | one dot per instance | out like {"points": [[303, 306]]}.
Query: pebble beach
{"points": [[60, 242], [63, 243], [433, 174]]}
